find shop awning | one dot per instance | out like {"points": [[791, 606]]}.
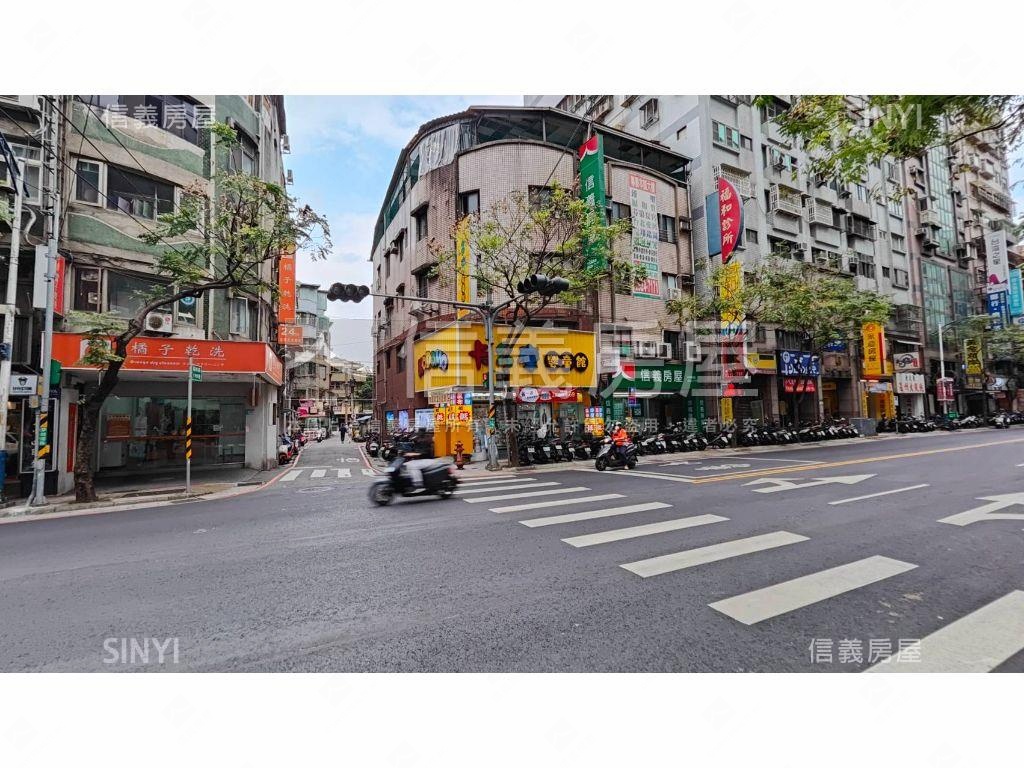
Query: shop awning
{"points": [[160, 357]]}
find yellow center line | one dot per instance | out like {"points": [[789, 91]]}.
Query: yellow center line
{"points": [[847, 462]]}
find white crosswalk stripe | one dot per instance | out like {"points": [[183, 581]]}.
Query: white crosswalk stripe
{"points": [[619, 534], [344, 472], [769, 602], [492, 479], [516, 487], [978, 642], [526, 495], [316, 473], [593, 514], [655, 566], [291, 475], [554, 503]]}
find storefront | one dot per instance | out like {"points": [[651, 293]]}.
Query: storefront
{"points": [[653, 395], [142, 423], [799, 386], [910, 385]]}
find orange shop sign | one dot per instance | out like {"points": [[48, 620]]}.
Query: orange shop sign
{"points": [[149, 353], [289, 335], [286, 287]]}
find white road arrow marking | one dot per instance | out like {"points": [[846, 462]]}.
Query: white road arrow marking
{"points": [[985, 512], [787, 484], [714, 467]]}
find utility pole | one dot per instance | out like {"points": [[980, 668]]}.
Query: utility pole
{"points": [[44, 430], [9, 308]]}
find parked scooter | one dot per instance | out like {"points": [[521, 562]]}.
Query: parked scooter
{"points": [[438, 479], [610, 457], [285, 449]]}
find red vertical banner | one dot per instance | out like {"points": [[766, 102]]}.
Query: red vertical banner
{"points": [[58, 286], [286, 287], [730, 216], [72, 434]]}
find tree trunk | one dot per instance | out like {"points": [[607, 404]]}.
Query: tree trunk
{"points": [[88, 426]]}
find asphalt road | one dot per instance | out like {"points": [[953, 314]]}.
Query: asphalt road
{"points": [[305, 575]]}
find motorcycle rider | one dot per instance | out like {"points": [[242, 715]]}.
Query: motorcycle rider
{"points": [[621, 439]]}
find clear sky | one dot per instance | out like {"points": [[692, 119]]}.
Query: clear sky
{"points": [[344, 150]]}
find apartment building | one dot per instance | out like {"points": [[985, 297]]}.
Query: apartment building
{"points": [[124, 161], [853, 230], [308, 385], [347, 405], [464, 164]]}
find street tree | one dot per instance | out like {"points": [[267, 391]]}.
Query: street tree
{"points": [[821, 308], [844, 135], [230, 240], [557, 234]]}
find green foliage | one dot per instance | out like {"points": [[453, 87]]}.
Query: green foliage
{"points": [[364, 391], [822, 307], [516, 238], [845, 134]]}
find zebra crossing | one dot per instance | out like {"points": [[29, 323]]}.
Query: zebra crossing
{"points": [[326, 473], [977, 642]]}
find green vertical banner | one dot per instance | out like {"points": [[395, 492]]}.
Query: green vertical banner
{"points": [[592, 190]]}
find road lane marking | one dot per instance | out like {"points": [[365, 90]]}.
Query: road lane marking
{"points": [[880, 493], [370, 472], [989, 511], [526, 494], [485, 483], [554, 503], [492, 479], [345, 472], [776, 484], [978, 642], [593, 514], [291, 475], [849, 462], [769, 602], [316, 473], [688, 558], [619, 534], [505, 488], [636, 473]]}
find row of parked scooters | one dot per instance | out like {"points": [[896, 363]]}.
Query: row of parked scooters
{"points": [[1000, 420]]}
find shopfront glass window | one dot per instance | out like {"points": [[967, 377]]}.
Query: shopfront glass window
{"points": [[149, 432]]}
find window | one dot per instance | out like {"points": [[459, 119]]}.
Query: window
{"points": [[539, 197], [469, 203], [649, 113], [865, 265], [751, 236], [33, 170], [672, 338], [885, 271], [244, 319], [667, 232], [772, 110], [746, 142], [422, 284], [681, 134], [89, 182], [862, 193], [899, 243], [900, 278], [244, 157], [137, 195], [87, 289], [420, 218], [621, 211], [669, 283], [725, 136], [188, 310], [126, 294]]}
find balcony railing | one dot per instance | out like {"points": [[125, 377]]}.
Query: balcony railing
{"points": [[741, 182], [859, 228], [929, 218], [992, 197], [785, 202], [817, 213]]}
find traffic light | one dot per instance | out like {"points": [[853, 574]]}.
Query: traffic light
{"points": [[347, 292], [544, 285]]}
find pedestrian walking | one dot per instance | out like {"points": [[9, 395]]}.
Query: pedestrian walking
{"points": [[341, 432]]}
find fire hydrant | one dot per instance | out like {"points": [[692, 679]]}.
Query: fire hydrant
{"points": [[460, 455]]}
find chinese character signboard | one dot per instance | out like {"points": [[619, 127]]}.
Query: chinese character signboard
{"points": [[910, 383], [873, 343], [907, 361], [997, 309], [643, 200], [799, 363], [670, 378], [289, 335], [591, 155], [975, 364], [58, 286], [463, 287], [944, 390], [730, 217], [1016, 293], [997, 261], [286, 287]]}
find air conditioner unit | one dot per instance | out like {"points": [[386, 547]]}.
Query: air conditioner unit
{"points": [[160, 322], [25, 102], [691, 352], [645, 349], [684, 224], [665, 351], [800, 247], [685, 279], [286, 144], [674, 294]]}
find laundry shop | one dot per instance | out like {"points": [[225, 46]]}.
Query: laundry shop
{"points": [[542, 378], [142, 422]]}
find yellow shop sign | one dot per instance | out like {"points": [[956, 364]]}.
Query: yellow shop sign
{"points": [[456, 356]]}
